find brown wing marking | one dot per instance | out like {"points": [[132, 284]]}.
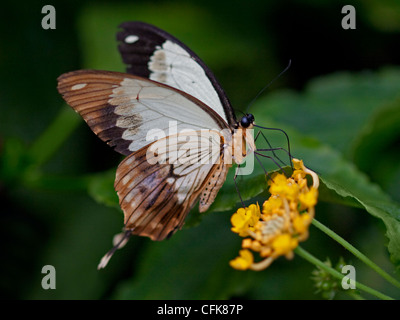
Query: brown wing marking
{"points": [[88, 93]]}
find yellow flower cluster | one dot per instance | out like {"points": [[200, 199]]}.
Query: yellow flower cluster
{"points": [[281, 224]]}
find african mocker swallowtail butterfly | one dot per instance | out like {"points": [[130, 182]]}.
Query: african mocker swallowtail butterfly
{"points": [[166, 81]]}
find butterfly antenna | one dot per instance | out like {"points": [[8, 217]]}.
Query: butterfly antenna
{"points": [[119, 241], [271, 82]]}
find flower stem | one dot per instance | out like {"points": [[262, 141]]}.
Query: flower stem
{"points": [[356, 252], [313, 260], [355, 295]]}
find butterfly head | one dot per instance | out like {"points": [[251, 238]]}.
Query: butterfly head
{"points": [[247, 121]]}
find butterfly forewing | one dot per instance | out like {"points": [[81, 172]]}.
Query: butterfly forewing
{"points": [[122, 109], [155, 54]]}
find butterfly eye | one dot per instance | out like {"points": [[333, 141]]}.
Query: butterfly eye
{"points": [[244, 122], [247, 120], [250, 117]]}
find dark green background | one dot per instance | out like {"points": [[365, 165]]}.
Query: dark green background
{"points": [[246, 44]]}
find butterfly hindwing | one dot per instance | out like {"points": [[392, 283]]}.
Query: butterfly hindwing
{"points": [[155, 54], [156, 198]]}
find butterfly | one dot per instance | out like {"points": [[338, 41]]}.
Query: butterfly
{"points": [[165, 83]]}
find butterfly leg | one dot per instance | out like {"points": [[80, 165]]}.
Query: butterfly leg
{"points": [[271, 158], [287, 139], [236, 186], [270, 146]]}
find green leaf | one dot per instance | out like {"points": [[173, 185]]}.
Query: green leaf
{"points": [[376, 151], [334, 108], [101, 188], [379, 134], [378, 205], [347, 181]]}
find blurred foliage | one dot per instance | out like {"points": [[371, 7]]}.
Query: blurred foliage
{"points": [[325, 284], [339, 103]]}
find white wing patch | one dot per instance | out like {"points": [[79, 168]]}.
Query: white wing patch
{"points": [[78, 86], [172, 65], [144, 106], [131, 39]]}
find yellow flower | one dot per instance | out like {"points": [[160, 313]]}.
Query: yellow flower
{"points": [[240, 222], [278, 184], [302, 222], [254, 212], [309, 199], [245, 218], [284, 187], [283, 222], [272, 205], [246, 243], [298, 164], [283, 244], [244, 261], [298, 174]]}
